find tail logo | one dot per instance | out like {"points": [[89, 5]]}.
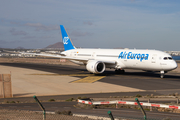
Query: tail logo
{"points": [[65, 40]]}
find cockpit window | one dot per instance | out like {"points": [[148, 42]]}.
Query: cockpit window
{"points": [[170, 58], [167, 58]]}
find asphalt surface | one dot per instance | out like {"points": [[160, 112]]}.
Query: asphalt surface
{"points": [[150, 82], [69, 106], [131, 78]]}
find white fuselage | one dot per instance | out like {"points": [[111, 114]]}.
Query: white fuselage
{"points": [[96, 60], [149, 60]]}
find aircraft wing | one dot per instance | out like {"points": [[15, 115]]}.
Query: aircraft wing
{"points": [[64, 57], [38, 54], [71, 58]]}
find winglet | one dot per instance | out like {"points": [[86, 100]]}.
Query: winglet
{"points": [[66, 41]]}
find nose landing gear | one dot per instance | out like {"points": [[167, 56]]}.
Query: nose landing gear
{"points": [[162, 74]]}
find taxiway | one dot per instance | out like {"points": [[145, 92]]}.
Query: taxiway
{"points": [[45, 79]]}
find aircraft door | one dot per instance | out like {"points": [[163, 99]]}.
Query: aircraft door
{"points": [[71, 54], [94, 55], [154, 57]]}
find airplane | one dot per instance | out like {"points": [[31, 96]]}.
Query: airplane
{"points": [[97, 60]]}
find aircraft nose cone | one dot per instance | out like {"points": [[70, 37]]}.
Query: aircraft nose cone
{"points": [[174, 65]]}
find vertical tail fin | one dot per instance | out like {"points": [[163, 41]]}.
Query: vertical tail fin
{"points": [[66, 41]]}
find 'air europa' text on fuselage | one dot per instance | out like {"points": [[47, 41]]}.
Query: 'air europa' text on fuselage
{"points": [[130, 55]]}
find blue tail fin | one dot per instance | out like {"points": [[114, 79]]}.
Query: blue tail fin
{"points": [[66, 41]]}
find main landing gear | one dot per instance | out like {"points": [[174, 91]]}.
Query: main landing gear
{"points": [[119, 71], [162, 74]]}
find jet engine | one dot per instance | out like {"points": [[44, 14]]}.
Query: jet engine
{"points": [[95, 67]]}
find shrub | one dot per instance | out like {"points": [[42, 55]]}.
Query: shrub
{"points": [[51, 100], [138, 95], [12, 102], [63, 112], [66, 112], [78, 97], [71, 99]]}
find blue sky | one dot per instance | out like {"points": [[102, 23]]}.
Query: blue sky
{"points": [[141, 24]]}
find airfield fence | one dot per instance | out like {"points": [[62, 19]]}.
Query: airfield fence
{"points": [[6, 114], [13, 114], [32, 115]]}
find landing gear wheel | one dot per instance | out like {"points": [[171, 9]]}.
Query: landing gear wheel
{"points": [[119, 71], [162, 75]]}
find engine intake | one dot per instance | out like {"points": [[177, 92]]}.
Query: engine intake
{"points": [[95, 67]]}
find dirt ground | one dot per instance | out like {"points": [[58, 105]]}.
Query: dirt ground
{"points": [[25, 82], [33, 115]]}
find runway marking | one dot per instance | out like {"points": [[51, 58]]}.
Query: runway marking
{"points": [[64, 74], [89, 79]]}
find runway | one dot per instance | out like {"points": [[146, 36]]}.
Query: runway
{"points": [[131, 81], [69, 106]]}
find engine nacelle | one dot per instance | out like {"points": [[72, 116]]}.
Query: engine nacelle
{"points": [[95, 67]]}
